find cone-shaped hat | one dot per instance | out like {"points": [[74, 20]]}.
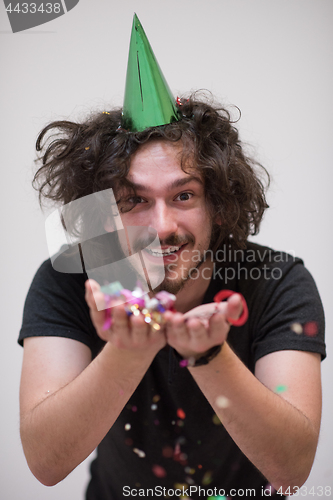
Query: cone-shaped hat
{"points": [[148, 101]]}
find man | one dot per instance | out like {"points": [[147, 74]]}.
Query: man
{"points": [[156, 423]]}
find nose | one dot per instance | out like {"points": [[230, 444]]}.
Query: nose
{"points": [[164, 220]]}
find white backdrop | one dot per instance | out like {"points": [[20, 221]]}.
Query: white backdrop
{"points": [[272, 58]]}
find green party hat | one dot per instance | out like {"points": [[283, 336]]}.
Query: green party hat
{"points": [[148, 100]]}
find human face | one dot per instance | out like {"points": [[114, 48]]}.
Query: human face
{"points": [[173, 203]]}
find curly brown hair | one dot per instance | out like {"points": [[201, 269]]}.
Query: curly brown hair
{"points": [[82, 158]]}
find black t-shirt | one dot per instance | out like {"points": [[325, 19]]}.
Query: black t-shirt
{"points": [[168, 436]]}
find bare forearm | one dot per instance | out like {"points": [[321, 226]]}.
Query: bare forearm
{"points": [[62, 430], [278, 439]]}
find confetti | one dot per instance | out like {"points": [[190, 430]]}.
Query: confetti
{"points": [[216, 420], [199, 466], [134, 408], [297, 328], [219, 497], [180, 486], [127, 427], [310, 329], [222, 402], [207, 479], [87, 148], [181, 413], [159, 471], [140, 453], [280, 388], [177, 452], [138, 302], [190, 480], [156, 398], [189, 470], [270, 488], [167, 452], [153, 407]]}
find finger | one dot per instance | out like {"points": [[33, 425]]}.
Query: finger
{"points": [[199, 335], [234, 306], [94, 296], [139, 329], [176, 329], [218, 328], [120, 323]]}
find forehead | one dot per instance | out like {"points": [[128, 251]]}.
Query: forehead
{"points": [[158, 161]]}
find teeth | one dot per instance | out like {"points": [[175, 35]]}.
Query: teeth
{"points": [[161, 253]]}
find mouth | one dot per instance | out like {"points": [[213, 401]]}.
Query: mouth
{"points": [[167, 252]]}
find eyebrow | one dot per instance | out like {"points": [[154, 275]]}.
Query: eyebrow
{"points": [[175, 184]]}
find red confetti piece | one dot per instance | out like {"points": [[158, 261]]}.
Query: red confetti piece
{"points": [[181, 413], [310, 329], [199, 466], [159, 471], [134, 408]]}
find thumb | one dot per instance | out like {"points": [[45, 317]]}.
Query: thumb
{"points": [[236, 307]]}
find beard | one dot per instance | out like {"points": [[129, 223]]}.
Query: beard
{"points": [[175, 285]]}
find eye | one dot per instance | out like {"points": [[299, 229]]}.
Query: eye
{"points": [[135, 200], [184, 196], [128, 204]]}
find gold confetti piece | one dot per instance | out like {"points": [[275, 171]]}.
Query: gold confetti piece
{"points": [[180, 486], [87, 148], [189, 470], [222, 402], [216, 420], [207, 478], [106, 113], [297, 328], [156, 398]]}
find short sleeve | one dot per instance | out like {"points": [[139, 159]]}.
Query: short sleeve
{"points": [[55, 306], [290, 315]]}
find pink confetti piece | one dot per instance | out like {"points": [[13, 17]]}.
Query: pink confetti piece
{"points": [[159, 471], [310, 329]]}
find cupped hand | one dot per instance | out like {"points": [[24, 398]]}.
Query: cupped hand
{"points": [[192, 334], [125, 332]]}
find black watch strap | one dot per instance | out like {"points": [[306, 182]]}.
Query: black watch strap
{"points": [[204, 360]]}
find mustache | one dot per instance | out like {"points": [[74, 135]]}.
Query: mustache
{"points": [[173, 240]]}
